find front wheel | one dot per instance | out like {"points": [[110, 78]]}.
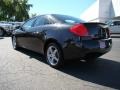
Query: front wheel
{"points": [[2, 32], [54, 55], [14, 43]]}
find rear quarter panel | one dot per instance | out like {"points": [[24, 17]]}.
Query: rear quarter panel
{"points": [[67, 41]]}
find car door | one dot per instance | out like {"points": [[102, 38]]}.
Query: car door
{"points": [[37, 34], [23, 34]]}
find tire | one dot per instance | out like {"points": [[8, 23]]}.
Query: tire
{"points": [[54, 55], [14, 43], [2, 32]]}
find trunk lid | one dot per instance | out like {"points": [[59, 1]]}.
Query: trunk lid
{"points": [[97, 30]]}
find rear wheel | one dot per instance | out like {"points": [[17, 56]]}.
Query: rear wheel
{"points": [[14, 43], [54, 55]]}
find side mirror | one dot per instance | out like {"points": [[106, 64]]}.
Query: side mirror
{"points": [[17, 27]]}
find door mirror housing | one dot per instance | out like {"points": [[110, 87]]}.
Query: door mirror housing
{"points": [[20, 27], [17, 27]]}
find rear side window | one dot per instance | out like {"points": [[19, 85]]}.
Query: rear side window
{"points": [[68, 19]]}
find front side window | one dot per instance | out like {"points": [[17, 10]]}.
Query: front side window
{"points": [[41, 21], [28, 24]]}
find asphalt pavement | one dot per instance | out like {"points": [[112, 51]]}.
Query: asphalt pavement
{"points": [[26, 70]]}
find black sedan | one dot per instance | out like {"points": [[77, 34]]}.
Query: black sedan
{"points": [[62, 37]]}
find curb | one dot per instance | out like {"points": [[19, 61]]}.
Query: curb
{"points": [[115, 35]]}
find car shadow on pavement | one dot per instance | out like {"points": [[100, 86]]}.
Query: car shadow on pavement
{"points": [[32, 54], [103, 72]]}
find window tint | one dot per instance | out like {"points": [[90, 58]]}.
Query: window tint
{"points": [[28, 24], [41, 21], [51, 19], [46, 21], [68, 19]]}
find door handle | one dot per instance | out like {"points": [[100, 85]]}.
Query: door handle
{"points": [[36, 33]]}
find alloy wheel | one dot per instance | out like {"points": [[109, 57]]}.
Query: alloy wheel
{"points": [[53, 55], [14, 42]]}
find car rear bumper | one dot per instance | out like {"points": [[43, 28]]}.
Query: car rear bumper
{"points": [[80, 49]]}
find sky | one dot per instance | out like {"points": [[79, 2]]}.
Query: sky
{"points": [[66, 7]]}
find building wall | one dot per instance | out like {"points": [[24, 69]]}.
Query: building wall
{"points": [[116, 5], [106, 10], [102, 11], [92, 13]]}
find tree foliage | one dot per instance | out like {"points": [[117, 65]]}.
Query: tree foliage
{"points": [[14, 10]]}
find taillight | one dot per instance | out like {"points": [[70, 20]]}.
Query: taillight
{"points": [[79, 30]]}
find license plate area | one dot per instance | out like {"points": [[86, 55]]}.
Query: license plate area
{"points": [[102, 44]]}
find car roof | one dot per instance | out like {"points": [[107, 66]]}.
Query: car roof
{"points": [[49, 15]]}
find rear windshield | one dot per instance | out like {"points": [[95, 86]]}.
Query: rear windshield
{"points": [[68, 19]]}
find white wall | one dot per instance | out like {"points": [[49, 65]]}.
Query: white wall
{"points": [[102, 10], [116, 5], [106, 10], [91, 13]]}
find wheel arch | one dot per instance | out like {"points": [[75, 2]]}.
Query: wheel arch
{"points": [[51, 40]]}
